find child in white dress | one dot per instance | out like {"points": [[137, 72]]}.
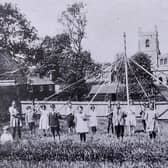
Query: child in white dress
{"points": [[81, 124], [44, 119], [6, 136], [92, 120]]}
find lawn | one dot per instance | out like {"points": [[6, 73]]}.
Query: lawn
{"points": [[104, 150]]}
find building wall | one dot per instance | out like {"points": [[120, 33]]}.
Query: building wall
{"points": [[40, 92], [148, 44]]}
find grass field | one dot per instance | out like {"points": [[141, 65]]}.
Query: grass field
{"points": [[104, 150]]}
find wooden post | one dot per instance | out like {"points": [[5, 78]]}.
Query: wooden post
{"points": [[126, 69]]}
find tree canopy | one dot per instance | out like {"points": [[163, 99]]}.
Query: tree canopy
{"points": [[17, 35], [136, 74]]}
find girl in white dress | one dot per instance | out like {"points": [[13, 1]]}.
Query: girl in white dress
{"points": [[81, 124], [44, 120], [152, 126], [6, 136], [92, 120]]}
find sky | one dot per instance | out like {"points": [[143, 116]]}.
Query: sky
{"points": [[107, 20]]}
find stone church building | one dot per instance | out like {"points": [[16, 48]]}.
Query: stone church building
{"points": [[149, 43]]}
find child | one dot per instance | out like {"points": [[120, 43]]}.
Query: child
{"points": [[70, 118], [6, 136], [30, 119], [44, 121], [93, 120], [152, 126], [81, 124], [119, 121], [54, 122]]}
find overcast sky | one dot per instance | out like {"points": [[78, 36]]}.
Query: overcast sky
{"points": [[107, 20]]}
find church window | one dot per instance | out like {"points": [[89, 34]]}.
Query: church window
{"points": [[161, 61], [147, 43], [165, 61]]}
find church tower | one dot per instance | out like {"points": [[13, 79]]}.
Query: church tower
{"points": [[149, 44]]}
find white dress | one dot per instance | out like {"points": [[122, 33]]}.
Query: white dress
{"points": [[81, 123], [92, 119], [44, 120], [151, 123], [131, 119], [6, 137]]}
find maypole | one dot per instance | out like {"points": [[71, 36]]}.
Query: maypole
{"points": [[126, 68]]}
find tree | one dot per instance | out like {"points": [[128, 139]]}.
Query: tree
{"points": [[145, 79], [17, 35], [74, 21], [52, 54]]}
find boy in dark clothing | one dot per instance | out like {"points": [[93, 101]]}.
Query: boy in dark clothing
{"points": [[54, 122]]}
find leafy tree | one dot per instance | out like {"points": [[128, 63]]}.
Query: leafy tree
{"points": [[16, 33], [74, 21], [79, 61], [144, 79]]}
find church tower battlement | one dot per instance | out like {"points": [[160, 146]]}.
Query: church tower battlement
{"points": [[148, 43]]}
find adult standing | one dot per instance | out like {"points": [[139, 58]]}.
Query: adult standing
{"points": [[54, 122], [119, 121], [44, 121], [92, 120], [81, 124], [15, 119]]}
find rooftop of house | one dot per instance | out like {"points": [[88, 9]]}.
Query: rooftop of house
{"points": [[109, 88]]}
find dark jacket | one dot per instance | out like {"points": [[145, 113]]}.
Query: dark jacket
{"points": [[54, 119]]}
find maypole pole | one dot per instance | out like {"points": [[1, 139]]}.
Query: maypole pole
{"points": [[126, 68]]}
